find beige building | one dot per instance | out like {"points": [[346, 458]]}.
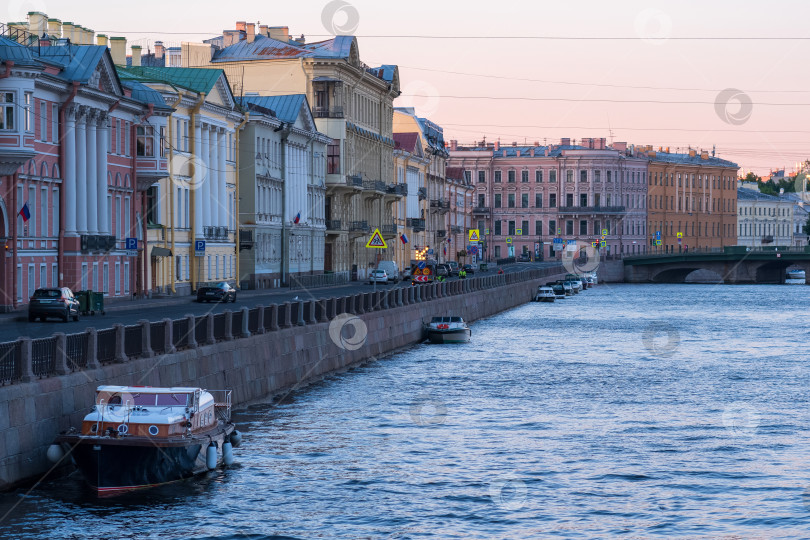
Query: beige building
{"points": [[410, 165], [352, 104], [763, 220]]}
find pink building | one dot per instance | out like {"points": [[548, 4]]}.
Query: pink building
{"points": [[527, 196], [77, 151]]}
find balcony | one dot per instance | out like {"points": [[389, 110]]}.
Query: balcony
{"points": [[95, 242], [375, 185], [245, 239], [359, 227], [333, 225], [441, 233], [348, 182], [422, 194], [456, 229], [397, 189], [592, 209], [389, 230], [215, 233], [416, 224], [327, 112], [481, 211], [439, 205]]}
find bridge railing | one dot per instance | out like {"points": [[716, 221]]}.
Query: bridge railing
{"points": [[727, 250]]}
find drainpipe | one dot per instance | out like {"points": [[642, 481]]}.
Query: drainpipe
{"points": [[285, 132], [133, 144], [238, 216], [60, 255], [171, 191], [192, 143], [14, 284]]}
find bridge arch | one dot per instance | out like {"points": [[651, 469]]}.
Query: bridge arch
{"points": [[682, 274]]}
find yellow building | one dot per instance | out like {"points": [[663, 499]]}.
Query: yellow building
{"points": [[410, 165], [352, 104], [191, 213]]}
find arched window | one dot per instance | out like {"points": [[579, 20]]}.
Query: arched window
{"points": [[44, 170], [55, 173], [118, 179], [126, 181]]}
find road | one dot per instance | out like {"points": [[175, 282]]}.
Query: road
{"points": [[14, 325]]}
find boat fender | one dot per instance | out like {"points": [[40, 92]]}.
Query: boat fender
{"points": [[236, 438], [227, 453], [211, 456], [55, 453]]}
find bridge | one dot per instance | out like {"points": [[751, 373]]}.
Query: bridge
{"points": [[734, 264]]}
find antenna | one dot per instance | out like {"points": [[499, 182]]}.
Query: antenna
{"points": [[610, 131]]}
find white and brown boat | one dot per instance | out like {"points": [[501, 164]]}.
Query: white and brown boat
{"points": [[138, 437]]}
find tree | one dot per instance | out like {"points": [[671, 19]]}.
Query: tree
{"points": [[751, 177]]}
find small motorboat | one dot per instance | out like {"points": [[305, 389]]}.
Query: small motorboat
{"points": [[448, 330], [559, 290], [795, 277], [545, 294], [138, 437], [567, 287]]}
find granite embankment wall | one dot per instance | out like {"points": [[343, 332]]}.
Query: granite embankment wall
{"points": [[256, 353]]}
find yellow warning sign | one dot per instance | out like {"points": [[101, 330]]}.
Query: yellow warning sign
{"points": [[679, 235], [376, 241], [475, 235]]}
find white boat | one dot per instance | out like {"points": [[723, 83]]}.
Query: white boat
{"points": [[448, 330], [795, 277], [545, 294]]}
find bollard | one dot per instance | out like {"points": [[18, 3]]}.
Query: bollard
{"points": [[120, 354], [310, 312], [26, 365], [331, 308], [358, 304], [298, 312], [284, 315], [228, 325], [146, 339], [260, 317], [245, 323], [320, 310], [272, 320], [399, 297], [61, 361]]}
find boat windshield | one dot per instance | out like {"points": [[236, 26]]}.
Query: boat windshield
{"points": [[151, 400], [455, 319], [436, 320]]}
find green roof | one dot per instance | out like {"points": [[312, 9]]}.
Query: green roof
{"points": [[200, 80]]}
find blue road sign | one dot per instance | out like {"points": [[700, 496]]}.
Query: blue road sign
{"points": [[430, 251], [422, 265], [658, 235], [199, 248], [131, 244]]}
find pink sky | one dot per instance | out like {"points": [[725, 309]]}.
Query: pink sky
{"points": [[767, 71]]}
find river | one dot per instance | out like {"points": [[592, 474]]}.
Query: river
{"points": [[629, 410]]}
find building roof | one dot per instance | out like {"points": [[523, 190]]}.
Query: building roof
{"points": [[266, 48], [686, 159], [144, 94], [200, 80], [285, 108], [454, 173], [407, 141], [744, 194], [19, 54]]}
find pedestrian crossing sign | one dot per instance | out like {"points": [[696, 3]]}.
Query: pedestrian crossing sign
{"points": [[658, 242], [376, 241], [475, 235], [603, 243], [595, 244], [679, 235]]}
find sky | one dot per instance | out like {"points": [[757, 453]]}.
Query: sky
{"points": [[729, 75]]}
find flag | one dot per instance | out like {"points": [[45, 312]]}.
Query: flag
{"points": [[25, 213], [403, 238], [297, 218], [444, 250]]}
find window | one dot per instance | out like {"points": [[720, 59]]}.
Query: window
{"points": [[498, 228], [333, 158], [538, 176], [481, 200], [54, 123], [583, 176], [497, 252], [583, 199], [538, 200], [43, 120], [524, 227], [43, 212], [552, 227], [511, 203], [55, 213], [511, 228], [126, 217], [511, 177], [119, 221], [569, 176], [552, 176], [482, 177], [497, 177], [524, 200], [152, 213], [117, 279], [145, 142], [608, 176], [583, 227], [569, 227], [126, 278], [163, 144], [43, 275], [29, 112], [524, 177], [538, 228], [31, 283], [32, 207], [95, 277], [468, 176], [85, 277], [597, 176], [7, 110], [497, 200], [54, 275], [569, 199], [552, 200]]}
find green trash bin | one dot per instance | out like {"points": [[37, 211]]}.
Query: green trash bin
{"points": [[84, 301], [96, 303]]}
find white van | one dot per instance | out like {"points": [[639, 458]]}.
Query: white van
{"points": [[391, 269]]}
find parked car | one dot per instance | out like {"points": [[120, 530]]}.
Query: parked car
{"points": [[221, 292], [53, 302], [469, 268], [453, 268], [525, 257], [378, 276], [406, 274], [442, 270], [390, 268]]}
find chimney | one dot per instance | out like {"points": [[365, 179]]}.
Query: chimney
{"points": [[546, 152], [251, 32], [517, 153], [620, 146], [704, 154], [160, 50], [241, 26], [263, 30], [91, 35], [136, 56], [67, 31], [37, 23], [118, 50], [667, 149], [602, 143], [531, 151], [514, 143], [78, 34], [102, 40], [692, 153], [497, 145], [537, 143], [55, 28], [453, 145], [229, 37], [281, 33], [565, 141]]}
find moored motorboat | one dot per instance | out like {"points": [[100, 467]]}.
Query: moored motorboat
{"points": [[795, 277], [448, 330], [558, 288], [138, 437], [545, 294]]}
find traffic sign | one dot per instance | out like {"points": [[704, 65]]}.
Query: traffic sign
{"points": [[658, 242], [658, 235], [376, 241], [508, 239], [486, 231], [475, 235], [604, 232], [422, 265], [595, 244], [473, 250], [430, 251], [199, 248], [603, 244], [519, 232], [679, 235], [131, 245]]}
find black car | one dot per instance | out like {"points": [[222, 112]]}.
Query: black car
{"points": [[469, 268], [221, 292], [442, 270], [53, 302]]}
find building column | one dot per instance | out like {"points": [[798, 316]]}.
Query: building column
{"points": [[205, 158], [225, 210], [102, 140], [92, 174], [81, 168], [218, 202], [197, 182], [69, 174]]}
